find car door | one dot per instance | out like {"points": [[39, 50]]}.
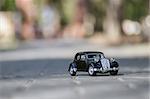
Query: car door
{"points": [[77, 61], [82, 63]]}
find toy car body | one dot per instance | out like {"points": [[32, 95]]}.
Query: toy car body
{"points": [[93, 63]]}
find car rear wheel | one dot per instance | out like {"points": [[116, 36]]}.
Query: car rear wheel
{"points": [[91, 71], [114, 72], [72, 71]]}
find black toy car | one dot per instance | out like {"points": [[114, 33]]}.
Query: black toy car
{"points": [[93, 62]]}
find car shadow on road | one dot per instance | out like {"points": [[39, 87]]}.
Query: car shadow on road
{"points": [[99, 75]]}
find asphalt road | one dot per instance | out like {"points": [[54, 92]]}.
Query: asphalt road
{"points": [[33, 76]]}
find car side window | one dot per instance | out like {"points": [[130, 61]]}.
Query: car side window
{"points": [[78, 57], [82, 58]]}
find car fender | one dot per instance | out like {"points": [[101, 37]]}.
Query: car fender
{"points": [[92, 64], [114, 64], [72, 64]]}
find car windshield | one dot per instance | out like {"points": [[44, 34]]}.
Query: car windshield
{"points": [[92, 56]]}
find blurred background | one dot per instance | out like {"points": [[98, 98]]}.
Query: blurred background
{"points": [[39, 38], [104, 21]]}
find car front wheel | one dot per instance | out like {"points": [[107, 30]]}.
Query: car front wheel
{"points": [[91, 71]]}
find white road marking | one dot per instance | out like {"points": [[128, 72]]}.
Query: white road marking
{"points": [[121, 79], [78, 88]]}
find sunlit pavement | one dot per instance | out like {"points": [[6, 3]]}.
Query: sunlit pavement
{"points": [[39, 71], [131, 86]]}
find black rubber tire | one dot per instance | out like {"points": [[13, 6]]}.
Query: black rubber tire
{"points": [[91, 71], [114, 72], [71, 72]]}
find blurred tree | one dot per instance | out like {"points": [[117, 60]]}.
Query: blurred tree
{"points": [[75, 12], [29, 13], [63, 7], [123, 9], [149, 7], [7, 5], [98, 9], [108, 13], [112, 25], [135, 9]]}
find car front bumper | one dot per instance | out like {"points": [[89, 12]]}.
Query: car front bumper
{"points": [[106, 70]]}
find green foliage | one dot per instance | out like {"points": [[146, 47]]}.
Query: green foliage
{"points": [[135, 9], [98, 9], [132, 9], [62, 8], [8, 5]]}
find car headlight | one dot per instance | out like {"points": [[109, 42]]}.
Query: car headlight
{"points": [[95, 69], [112, 59], [75, 69]]}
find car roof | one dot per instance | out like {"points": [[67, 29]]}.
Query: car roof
{"points": [[90, 52]]}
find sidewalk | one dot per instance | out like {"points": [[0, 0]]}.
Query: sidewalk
{"points": [[67, 49]]}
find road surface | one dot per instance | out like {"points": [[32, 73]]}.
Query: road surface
{"points": [[36, 71]]}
